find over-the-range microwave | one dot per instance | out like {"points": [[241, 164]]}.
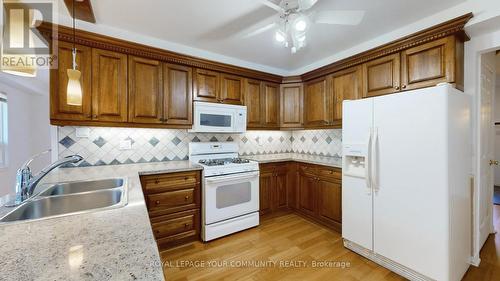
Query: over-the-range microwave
{"points": [[219, 118]]}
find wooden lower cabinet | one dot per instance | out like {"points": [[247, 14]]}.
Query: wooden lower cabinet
{"points": [[173, 202], [320, 194], [273, 186]]}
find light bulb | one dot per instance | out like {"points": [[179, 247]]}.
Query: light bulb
{"points": [[279, 36], [74, 90], [300, 25], [294, 50]]}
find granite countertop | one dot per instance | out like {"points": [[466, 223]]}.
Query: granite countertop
{"points": [[299, 157], [115, 244]]}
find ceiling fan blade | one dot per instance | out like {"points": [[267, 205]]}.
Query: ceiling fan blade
{"points": [[306, 4], [346, 17], [271, 5], [258, 28]]}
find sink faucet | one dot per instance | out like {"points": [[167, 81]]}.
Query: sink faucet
{"points": [[26, 182]]}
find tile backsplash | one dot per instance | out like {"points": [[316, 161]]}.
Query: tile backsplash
{"points": [[103, 145]]}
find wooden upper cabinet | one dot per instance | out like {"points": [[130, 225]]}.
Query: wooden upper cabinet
{"points": [[252, 98], [429, 64], [317, 102], [59, 109], [270, 104], [145, 90], [206, 85], [231, 89], [178, 93], [109, 86], [346, 85], [291, 105], [381, 76]]}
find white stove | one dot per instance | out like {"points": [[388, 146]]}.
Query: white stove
{"points": [[230, 188]]}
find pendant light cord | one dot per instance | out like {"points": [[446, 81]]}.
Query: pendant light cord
{"points": [[74, 38]]}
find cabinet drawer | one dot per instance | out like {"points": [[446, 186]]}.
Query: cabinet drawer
{"points": [[329, 173], [171, 199], [167, 226], [166, 182]]}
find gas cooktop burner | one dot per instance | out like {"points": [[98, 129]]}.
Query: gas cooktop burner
{"points": [[224, 161]]}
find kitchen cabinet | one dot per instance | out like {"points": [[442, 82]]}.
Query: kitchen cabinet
{"points": [[273, 186], [429, 64], [178, 94], [173, 203], [145, 90], [318, 102], [206, 85], [271, 106], [320, 194], [109, 86], [212, 86], [59, 109], [382, 76], [346, 85], [252, 99], [291, 105], [231, 89]]}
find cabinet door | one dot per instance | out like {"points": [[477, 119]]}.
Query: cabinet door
{"points": [[428, 64], [109, 86], [307, 185], [59, 109], [381, 76], [281, 187], [206, 85], [317, 103], [330, 201], [178, 94], [231, 88], [145, 90], [253, 100], [291, 104], [346, 85], [270, 104], [267, 181]]}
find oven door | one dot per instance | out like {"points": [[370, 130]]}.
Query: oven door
{"points": [[230, 196]]}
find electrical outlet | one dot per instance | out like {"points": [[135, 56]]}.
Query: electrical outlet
{"points": [[125, 145]]}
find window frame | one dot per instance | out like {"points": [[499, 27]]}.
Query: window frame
{"points": [[4, 121]]}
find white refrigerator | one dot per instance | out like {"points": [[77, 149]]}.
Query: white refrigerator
{"points": [[406, 181]]}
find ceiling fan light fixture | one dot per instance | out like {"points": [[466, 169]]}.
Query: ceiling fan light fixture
{"points": [[300, 24], [280, 36]]}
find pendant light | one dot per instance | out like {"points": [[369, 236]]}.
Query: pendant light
{"points": [[74, 90]]}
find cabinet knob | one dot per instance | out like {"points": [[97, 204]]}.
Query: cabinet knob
{"points": [[404, 87], [157, 202], [186, 198], [186, 178], [186, 224], [397, 87], [88, 115], [157, 181], [157, 231], [94, 116]]}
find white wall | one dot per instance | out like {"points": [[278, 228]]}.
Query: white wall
{"points": [[29, 129]]}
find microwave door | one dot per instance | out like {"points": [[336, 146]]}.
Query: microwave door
{"points": [[214, 121]]}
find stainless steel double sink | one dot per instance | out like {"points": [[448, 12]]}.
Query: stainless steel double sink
{"points": [[68, 198]]}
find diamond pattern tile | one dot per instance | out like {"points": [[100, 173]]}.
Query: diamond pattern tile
{"points": [[102, 147]]}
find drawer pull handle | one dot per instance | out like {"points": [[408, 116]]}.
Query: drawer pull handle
{"points": [[157, 202], [157, 181], [186, 198], [158, 231], [186, 225]]}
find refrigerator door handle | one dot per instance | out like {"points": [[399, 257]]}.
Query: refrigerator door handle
{"points": [[374, 166], [368, 163]]}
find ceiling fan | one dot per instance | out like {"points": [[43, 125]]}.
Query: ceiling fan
{"points": [[294, 19]]}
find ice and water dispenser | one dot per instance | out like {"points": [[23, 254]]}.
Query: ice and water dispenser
{"points": [[355, 160]]}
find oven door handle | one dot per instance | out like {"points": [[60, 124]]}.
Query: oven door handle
{"points": [[224, 178]]}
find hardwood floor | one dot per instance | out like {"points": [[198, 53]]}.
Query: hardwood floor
{"points": [[291, 238]]}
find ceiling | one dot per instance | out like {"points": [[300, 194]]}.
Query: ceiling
{"points": [[213, 25]]}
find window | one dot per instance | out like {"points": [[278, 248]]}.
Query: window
{"points": [[3, 130]]}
